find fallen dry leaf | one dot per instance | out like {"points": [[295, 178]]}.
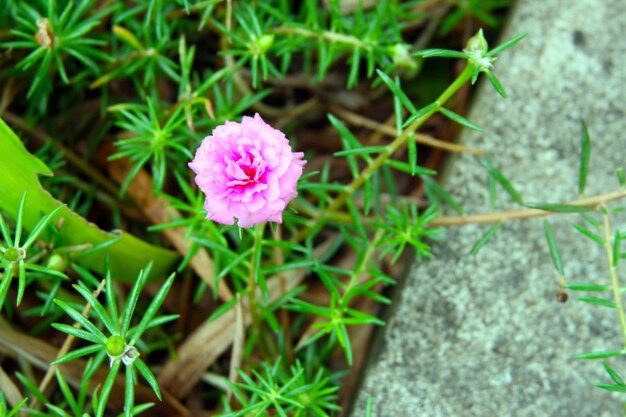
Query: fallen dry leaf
{"points": [[9, 389], [238, 343]]}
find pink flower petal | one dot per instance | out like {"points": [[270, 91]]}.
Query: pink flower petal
{"points": [[247, 171]]}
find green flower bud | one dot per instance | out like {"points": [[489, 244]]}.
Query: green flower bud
{"points": [[264, 43], [477, 53], [477, 43], [14, 254], [401, 56], [115, 345], [57, 262]]}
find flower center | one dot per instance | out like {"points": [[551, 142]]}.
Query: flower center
{"points": [[244, 168], [250, 171]]}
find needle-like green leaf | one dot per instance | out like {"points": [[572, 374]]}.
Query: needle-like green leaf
{"points": [[554, 251], [585, 154]]}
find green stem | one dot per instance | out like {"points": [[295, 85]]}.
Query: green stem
{"points": [[199, 7], [327, 35], [356, 274], [279, 259], [252, 288], [608, 246], [397, 143]]}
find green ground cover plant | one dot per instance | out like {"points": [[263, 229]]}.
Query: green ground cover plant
{"points": [[119, 297]]}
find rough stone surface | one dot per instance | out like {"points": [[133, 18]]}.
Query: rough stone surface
{"points": [[484, 335]]}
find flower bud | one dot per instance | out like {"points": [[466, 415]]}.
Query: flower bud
{"points": [[14, 254], [476, 50], [57, 262], [264, 43], [401, 56], [115, 346], [477, 43]]}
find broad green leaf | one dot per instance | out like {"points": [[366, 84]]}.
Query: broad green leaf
{"points": [[20, 171]]}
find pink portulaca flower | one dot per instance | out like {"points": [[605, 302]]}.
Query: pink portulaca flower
{"points": [[247, 171]]}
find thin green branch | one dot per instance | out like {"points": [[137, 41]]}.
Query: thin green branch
{"points": [[494, 217], [326, 35], [356, 274], [617, 296], [258, 243], [397, 143]]}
